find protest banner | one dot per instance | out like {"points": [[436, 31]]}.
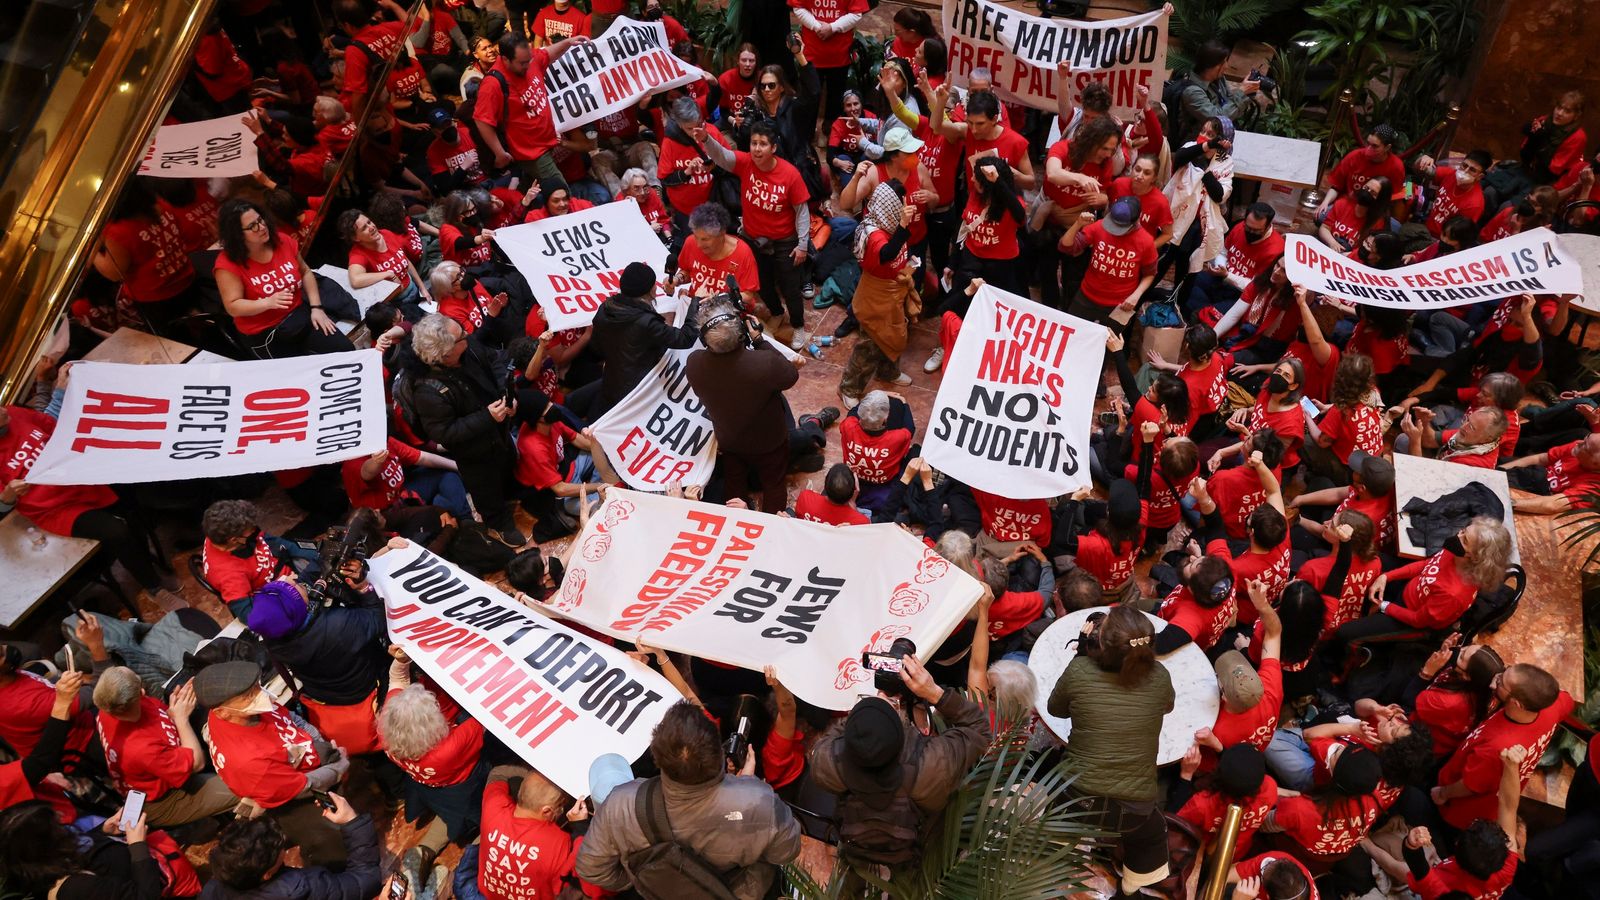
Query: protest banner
{"points": [[659, 433], [574, 262], [1012, 414], [222, 147], [123, 424], [1530, 262], [556, 697], [613, 72], [1022, 51], [751, 589]]}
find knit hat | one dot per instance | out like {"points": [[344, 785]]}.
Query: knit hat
{"points": [[1123, 216], [1241, 686], [277, 610], [1357, 771], [1122, 507], [873, 737], [218, 683], [1240, 770], [608, 771], [638, 280]]}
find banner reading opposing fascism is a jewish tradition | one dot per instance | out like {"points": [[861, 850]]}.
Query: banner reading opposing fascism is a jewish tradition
{"points": [[123, 424], [1012, 414], [750, 589], [1530, 262], [574, 262], [556, 697], [659, 435], [1022, 51], [221, 148], [613, 72]]}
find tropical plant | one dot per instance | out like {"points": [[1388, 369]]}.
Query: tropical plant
{"points": [[715, 29], [1419, 85], [1355, 36], [866, 59], [1290, 115], [1196, 21], [1010, 831]]}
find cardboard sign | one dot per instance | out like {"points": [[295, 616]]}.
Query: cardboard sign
{"points": [[750, 589], [1012, 415], [222, 147], [1530, 262], [123, 424], [573, 262], [659, 435], [1022, 51], [557, 697], [613, 72]]}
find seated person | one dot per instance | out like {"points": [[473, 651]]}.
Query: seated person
{"points": [[153, 750], [1475, 443], [250, 859], [402, 475], [238, 558], [836, 504], [553, 462], [1564, 477], [877, 440]]}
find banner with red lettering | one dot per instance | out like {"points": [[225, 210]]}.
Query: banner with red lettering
{"points": [[1529, 262], [223, 148], [1022, 51], [613, 72], [659, 435], [557, 697], [751, 589], [1012, 414], [123, 424], [573, 262]]}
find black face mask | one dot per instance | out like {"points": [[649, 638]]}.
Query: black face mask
{"points": [[652, 14], [450, 136], [1254, 236], [248, 549], [1454, 545], [478, 219], [1276, 383], [468, 281], [1365, 199]]}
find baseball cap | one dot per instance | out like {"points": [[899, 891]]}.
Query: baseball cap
{"points": [[1241, 686], [1377, 473], [901, 141], [1123, 216], [606, 773], [439, 117]]}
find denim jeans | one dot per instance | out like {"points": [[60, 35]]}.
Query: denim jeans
{"points": [[441, 488], [1289, 758]]}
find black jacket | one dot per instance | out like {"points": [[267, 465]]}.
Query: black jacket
{"points": [[453, 406], [336, 656], [631, 336]]}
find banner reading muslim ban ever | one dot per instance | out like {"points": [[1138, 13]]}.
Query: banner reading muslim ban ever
{"points": [[751, 589], [613, 72], [1530, 262], [123, 424], [1012, 414], [659, 435], [223, 147], [1022, 51], [556, 697], [573, 262]]}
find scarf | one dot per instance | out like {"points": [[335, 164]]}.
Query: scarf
{"points": [[882, 213], [1454, 448]]}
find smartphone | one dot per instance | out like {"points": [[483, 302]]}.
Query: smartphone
{"points": [[397, 888], [1108, 417], [881, 662], [322, 799], [1310, 408], [132, 809]]}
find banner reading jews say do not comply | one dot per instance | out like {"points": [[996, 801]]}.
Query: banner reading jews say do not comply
{"points": [[751, 589], [123, 424], [223, 148], [659, 435], [1012, 414], [1022, 51], [613, 72], [1530, 262], [556, 697], [573, 262]]}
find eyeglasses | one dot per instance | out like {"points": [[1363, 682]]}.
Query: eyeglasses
{"points": [[769, 85], [258, 225]]}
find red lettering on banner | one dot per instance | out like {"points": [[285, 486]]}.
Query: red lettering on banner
{"points": [[280, 414], [648, 462], [100, 403]]}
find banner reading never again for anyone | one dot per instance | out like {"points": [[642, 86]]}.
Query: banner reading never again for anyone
{"points": [[1022, 51], [123, 424], [750, 589], [1530, 262], [224, 148], [556, 697], [659, 435], [1012, 414], [613, 72], [573, 262]]}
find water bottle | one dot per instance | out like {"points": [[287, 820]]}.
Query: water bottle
{"points": [[814, 350], [825, 340]]}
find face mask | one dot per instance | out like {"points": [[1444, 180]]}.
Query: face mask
{"points": [[1454, 545], [468, 281], [651, 14], [1277, 384], [1254, 236], [260, 706], [248, 548], [451, 136], [1366, 199]]}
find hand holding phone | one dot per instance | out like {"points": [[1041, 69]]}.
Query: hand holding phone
{"points": [[132, 810]]}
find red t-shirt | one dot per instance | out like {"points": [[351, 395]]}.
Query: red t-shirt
{"points": [[1116, 262], [1356, 169], [1014, 610], [236, 578], [218, 67], [539, 456], [655, 212], [1319, 377], [735, 88], [265, 762], [1476, 763], [197, 222], [1379, 509], [391, 259], [1208, 387], [1290, 425], [675, 157], [1270, 568], [1237, 492], [1449, 714], [475, 255], [1499, 227], [833, 51], [336, 138], [1164, 497], [988, 239], [1155, 210], [1255, 725], [160, 266], [942, 157], [1351, 602], [25, 706], [539, 213], [874, 458], [52, 507], [1358, 429], [530, 128], [520, 857], [1012, 148], [783, 758], [707, 275], [451, 760], [871, 263], [1331, 835], [1386, 353], [390, 485], [1204, 625], [1005, 519], [1206, 810], [462, 156], [1251, 868], [1347, 220], [1449, 876], [1108, 566], [769, 197], [146, 755], [262, 280], [1251, 259], [1485, 460], [439, 40], [380, 40], [1436, 596], [813, 507], [1068, 197], [1566, 476], [845, 134], [555, 26], [1452, 199], [406, 78]]}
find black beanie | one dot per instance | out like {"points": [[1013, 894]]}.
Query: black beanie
{"points": [[638, 280]]}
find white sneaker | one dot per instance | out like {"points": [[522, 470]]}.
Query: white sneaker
{"points": [[798, 342], [933, 363], [902, 379], [848, 401]]}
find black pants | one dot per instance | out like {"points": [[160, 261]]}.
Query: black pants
{"points": [[486, 480], [1002, 273], [295, 336], [1138, 829], [782, 282], [834, 82], [942, 227], [130, 548]]}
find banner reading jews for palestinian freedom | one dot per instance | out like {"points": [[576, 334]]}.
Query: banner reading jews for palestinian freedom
{"points": [[573, 262], [1530, 262], [659, 435], [613, 72], [1012, 414], [123, 424], [556, 697], [752, 590], [223, 147], [1022, 50]]}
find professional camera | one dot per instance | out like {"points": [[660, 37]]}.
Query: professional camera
{"points": [[354, 542], [738, 742], [1067, 9]]}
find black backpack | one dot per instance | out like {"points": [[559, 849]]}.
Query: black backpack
{"points": [[890, 835], [666, 869], [1172, 99]]}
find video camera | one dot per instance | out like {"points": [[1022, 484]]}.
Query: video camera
{"points": [[353, 542]]}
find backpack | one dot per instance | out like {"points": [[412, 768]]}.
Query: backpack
{"points": [[891, 835], [1172, 99], [666, 869]]}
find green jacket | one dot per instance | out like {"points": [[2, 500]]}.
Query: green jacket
{"points": [[1115, 730]]}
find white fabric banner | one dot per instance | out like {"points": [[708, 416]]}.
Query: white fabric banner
{"points": [[613, 72], [1022, 51], [573, 262], [1530, 262], [557, 697], [1013, 412], [222, 147], [123, 424], [752, 590], [659, 433]]}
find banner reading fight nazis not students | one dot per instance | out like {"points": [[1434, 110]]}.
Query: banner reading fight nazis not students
{"points": [[557, 697], [1012, 413], [613, 72], [750, 589], [123, 424], [1530, 262], [574, 262], [659, 435], [1022, 52]]}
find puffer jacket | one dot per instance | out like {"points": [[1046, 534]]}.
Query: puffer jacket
{"points": [[631, 336], [1116, 731]]}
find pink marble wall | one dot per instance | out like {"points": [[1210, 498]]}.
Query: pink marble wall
{"points": [[1534, 51]]}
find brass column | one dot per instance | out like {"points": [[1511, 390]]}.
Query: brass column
{"points": [[104, 105]]}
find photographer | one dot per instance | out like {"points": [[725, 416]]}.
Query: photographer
{"points": [[1207, 93], [1116, 693]]}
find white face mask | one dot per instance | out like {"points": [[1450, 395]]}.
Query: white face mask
{"points": [[261, 705]]}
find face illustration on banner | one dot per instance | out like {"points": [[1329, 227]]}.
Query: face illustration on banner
{"points": [[596, 545], [907, 600], [850, 670], [931, 567]]}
